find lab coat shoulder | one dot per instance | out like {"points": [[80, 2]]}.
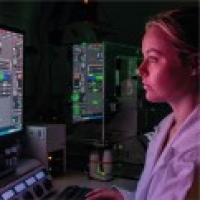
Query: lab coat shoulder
{"points": [[187, 143], [172, 175], [178, 171]]}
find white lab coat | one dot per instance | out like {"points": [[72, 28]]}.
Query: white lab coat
{"points": [[171, 174]]}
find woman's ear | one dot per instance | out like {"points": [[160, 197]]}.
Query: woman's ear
{"points": [[195, 64]]}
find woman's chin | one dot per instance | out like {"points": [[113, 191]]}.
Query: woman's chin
{"points": [[153, 99]]}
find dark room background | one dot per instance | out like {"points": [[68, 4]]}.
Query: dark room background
{"points": [[52, 26]]}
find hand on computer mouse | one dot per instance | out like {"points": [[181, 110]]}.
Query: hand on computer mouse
{"points": [[104, 194]]}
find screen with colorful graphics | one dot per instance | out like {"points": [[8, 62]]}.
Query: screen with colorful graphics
{"points": [[88, 81], [11, 81]]}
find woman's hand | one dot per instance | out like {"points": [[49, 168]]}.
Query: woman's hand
{"points": [[104, 194]]}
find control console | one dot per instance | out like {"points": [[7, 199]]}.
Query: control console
{"points": [[34, 185]]}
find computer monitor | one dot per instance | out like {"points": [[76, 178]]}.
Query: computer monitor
{"points": [[88, 82], [11, 81], [103, 89]]}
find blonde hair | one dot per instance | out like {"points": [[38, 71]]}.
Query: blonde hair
{"points": [[181, 25]]}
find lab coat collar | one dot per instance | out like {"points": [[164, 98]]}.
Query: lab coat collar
{"points": [[163, 158]]}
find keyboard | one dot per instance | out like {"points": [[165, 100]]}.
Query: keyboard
{"points": [[73, 192]]}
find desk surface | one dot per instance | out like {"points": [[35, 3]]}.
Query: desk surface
{"points": [[81, 179]]}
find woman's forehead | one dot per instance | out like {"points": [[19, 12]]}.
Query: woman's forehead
{"points": [[156, 38]]}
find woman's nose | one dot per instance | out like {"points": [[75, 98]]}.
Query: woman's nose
{"points": [[142, 70]]}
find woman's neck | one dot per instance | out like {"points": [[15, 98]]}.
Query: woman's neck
{"points": [[183, 108]]}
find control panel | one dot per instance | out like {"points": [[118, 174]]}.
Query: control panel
{"points": [[34, 185], [88, 81]]}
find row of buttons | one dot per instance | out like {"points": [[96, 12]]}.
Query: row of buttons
{"points": [[37, 185]]}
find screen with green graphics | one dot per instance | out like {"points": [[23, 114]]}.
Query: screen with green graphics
{"points": [[88, 81]]}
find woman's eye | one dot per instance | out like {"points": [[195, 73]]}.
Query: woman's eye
{"points": [[152, 59]]}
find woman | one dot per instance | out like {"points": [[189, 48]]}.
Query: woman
{"points": [[170, 73]]}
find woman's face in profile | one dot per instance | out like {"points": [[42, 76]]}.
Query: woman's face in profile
{"points": [[164, 77]]}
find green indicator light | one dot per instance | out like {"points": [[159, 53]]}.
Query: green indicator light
{"points": [[1, 76], [99, 78], [76, 110], [95, 90], [95, 102], [91, 74], [75, 97]]}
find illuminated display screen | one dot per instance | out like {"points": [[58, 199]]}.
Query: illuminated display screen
{"points": [[7, 195], [20, 187], [40, 175], [30, 181], [88, 82], [11, 81]]}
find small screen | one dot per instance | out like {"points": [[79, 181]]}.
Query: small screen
{"points": [[7, 195], [40, 175], [20, 187], [88, 82], [30, 181]]}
